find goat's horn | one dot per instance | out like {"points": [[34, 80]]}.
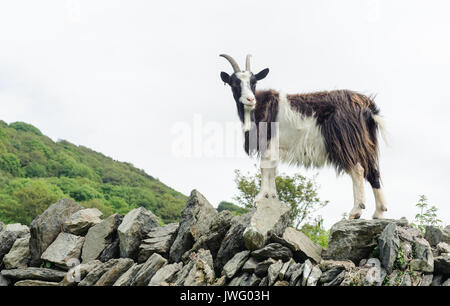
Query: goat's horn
{"points": [[247, 62], [232, 62]]}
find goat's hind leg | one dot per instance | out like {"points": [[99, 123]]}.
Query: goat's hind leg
{"points": [[357, 175], [380, 203]]}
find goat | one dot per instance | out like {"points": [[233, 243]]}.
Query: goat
{"points": [[337, 128]]}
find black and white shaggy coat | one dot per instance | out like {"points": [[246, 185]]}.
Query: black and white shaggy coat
{"points": [[336, 127]]}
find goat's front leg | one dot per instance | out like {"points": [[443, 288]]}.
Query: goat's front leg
{"points": [[357, 175], [268, 174]]}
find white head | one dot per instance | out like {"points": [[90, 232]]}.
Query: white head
{"points": [[243, 86]]}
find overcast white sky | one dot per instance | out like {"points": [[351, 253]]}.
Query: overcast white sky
{"points": [[119, 76]]}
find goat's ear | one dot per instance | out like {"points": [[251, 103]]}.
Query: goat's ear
{"points": [[225, 77], [262, 74]]}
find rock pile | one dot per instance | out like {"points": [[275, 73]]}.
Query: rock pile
{"points": [[68, 245]]}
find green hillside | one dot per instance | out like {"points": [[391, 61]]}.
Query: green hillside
{"points": [[36, 172]]}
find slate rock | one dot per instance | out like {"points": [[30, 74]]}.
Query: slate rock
{"points": [[437, 280], [19, 254], [211, 241], [64, 250], [126, 278], [195, 222], [250, 265], [285, 268], [270, 216], [111, 251], [426, 281], [389, 244], [442, 264], [273, 250], [331, 274], [245, 279], [443, 247], [198, 271], [9, 235], [307, 268], [79, 222], [96, 273], [423, 261], [148, 270], [446, 283], [35, 283], [3, 281], [264, 282], [434, 235], [355, 239], [235, 263], [274, 271], [135, 225], [314, 276], [337, 280], [233, 243], [375, 273], [327, 264], [34, 274], [302, 247], [281, 283], [158, 240], [296, 272], [166, 274], [99, 237], [263, 266], [46, 227], [77, 273], [110, 277]]}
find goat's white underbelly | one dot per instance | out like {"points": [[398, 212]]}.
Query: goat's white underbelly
{"points": [[300, 139]]}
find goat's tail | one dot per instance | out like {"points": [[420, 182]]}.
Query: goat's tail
{"points": [[381, 126]]}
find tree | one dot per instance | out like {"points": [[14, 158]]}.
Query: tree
{"points": [[316, 232], [28, 199], [426, 216], [298, 191]]}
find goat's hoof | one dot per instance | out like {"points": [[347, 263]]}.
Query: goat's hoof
{"points": [[362, 206], [266, 195], [378, 215], [355, 216], [274, 196]]}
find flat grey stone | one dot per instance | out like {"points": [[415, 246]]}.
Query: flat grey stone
{"points": [[270, 215], [302, 247], [166, 274], [148, 270], [273, 250], [99, 237], [355, 239], [34, 274], [389, 244], [19, 254], [195, 222], [80, 221], [235, 263], [110, 277], [46, 227], [64, 251], [9, 235], [134, 227]]}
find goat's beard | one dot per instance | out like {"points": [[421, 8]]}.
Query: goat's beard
{"points": [[247, 119]]}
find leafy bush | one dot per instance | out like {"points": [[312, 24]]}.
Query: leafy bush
{"points": [[426, 216], [316, 232], [298, 191]]}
